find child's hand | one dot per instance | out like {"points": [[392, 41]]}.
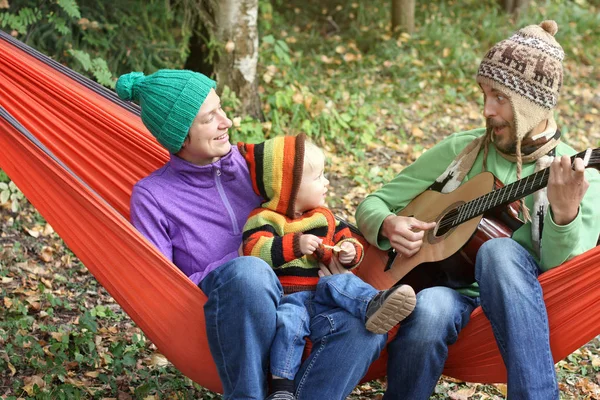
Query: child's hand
{"points": [[309, 243], [347, 253]]}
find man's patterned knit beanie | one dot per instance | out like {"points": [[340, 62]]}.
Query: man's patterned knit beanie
{"points": [[527, 67]]}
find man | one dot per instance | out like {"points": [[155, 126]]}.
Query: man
{"points": [[193, 210], [520, 79]]}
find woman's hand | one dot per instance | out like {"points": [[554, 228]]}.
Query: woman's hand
{"points": [[335, 267]]}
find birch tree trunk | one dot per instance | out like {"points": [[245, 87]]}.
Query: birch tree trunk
{"points": [[514, 6], [233, 24], [403, 15]]}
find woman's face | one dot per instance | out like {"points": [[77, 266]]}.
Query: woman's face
{"points": [[207, 140]]}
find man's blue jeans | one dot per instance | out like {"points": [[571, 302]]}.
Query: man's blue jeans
{"points": [[511, 298], [243, 296], [297, 311]]}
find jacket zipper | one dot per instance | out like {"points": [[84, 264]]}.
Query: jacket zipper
{"points": [[236, 229]]}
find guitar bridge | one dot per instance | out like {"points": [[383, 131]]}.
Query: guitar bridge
{"points": [[391, 257]]}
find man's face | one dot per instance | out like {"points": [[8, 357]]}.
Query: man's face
{"points": [[499, 116]]}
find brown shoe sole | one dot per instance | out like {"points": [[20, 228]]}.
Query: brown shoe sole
{"points": [[396, 307]]}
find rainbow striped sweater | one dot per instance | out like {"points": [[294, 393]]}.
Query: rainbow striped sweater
{"points": [[274, 238], [272, 232]]}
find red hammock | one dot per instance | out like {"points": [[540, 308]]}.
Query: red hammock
{"points": [[86, 151]]}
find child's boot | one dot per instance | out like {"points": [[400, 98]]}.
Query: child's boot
{"points": [[389, 307]]}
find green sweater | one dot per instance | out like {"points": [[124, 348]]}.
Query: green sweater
{"points": [[559, 243]]}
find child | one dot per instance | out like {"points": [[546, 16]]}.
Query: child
{"points": [[294, 232]]}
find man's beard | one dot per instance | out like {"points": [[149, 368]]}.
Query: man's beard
{"points": [[506, 145]]}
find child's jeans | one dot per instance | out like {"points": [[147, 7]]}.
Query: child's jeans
{"points": [[296, 311]]}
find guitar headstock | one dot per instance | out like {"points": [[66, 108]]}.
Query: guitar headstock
{"points": [[591, 158]]}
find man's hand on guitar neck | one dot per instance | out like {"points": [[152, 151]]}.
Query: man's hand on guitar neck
{"points": [[566, 187], [405, 233]]}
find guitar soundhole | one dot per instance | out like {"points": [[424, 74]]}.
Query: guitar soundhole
{"points": [[447, 223]]}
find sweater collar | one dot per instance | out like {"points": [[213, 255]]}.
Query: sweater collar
{"points": [[204, 175]]}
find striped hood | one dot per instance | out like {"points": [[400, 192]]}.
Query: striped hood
{"points": [[276, 170]]}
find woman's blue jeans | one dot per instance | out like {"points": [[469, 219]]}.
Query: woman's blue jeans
{"points": [[243, 296], [512, 300]]}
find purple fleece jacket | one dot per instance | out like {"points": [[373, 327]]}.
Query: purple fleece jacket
{"points": [[195, 214]]}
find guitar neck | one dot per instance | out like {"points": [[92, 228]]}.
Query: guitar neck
{"points": [[509, 193], [502, 196]]}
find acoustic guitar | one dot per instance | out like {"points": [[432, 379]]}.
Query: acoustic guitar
{"points": [[478, 210]]}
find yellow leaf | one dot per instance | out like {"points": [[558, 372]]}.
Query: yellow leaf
{"points": [[229, 46], [158, 360], [267, 77], [7, 302], [349, 57], [47, 283], [326, 60], [6, 279], [474, 114], [33, 233], [46, 254], [57, 336], [418, 63], [298, 98], [417, 132], [340, 49], [502, 388], [12, 368], [48, 230], [445, 52], [92, 374], [595, 361], [30, 381]]}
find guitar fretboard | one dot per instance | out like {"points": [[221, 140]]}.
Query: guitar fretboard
{"points": [[505, 195], [502, 196]]}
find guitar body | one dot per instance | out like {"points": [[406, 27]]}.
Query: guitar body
{"points": [[446, 258], [487, 210]]}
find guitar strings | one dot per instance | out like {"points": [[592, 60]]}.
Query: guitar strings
{"points": [[448, 221]]}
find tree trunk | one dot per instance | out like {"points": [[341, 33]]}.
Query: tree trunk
{"points": [[196, 60], [233, 24], [514, 6], [403, 15]]}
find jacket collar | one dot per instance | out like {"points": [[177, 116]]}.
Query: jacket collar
{"points": [[205, 175]]}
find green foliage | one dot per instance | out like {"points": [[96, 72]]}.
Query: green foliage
{"points": [[101, 39], [9, 192]]}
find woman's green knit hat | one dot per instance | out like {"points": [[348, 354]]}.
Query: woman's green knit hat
{"points": [[170, 100]]}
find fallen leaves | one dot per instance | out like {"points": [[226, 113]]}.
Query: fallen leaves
{"points": [[31, 382]]}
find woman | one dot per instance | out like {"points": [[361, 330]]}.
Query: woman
{"points": [[193, 210]]}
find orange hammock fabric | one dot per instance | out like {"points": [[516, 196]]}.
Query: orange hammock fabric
{"points": [[102, 149]]}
